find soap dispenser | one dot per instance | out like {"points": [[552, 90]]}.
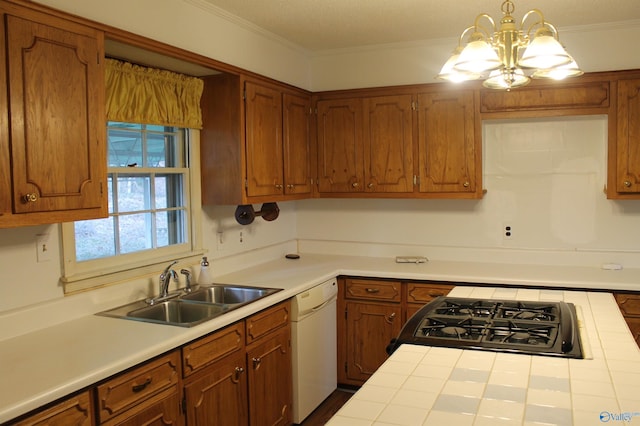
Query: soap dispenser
{"points": [[205, 274]]}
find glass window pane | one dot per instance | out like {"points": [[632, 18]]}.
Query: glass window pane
{"points": [[163, 150], [170, 228], [134, 193], [125, 148], [135, 232], [169, 192], [94, 239]]}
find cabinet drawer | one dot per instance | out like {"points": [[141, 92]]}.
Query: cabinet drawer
{"points": [[388, 291], [139, 385], [629, 303], [76, 410], [424, 293], [267, 321], [212, 348]]}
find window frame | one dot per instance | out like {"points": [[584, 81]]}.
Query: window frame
{"points": [[79, 276]]}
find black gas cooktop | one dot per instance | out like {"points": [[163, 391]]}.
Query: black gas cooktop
{"points": [[533, 328]]}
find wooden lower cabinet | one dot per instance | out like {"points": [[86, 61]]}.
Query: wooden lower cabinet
{"points": [[369, 329], [369, 316], [629, 304], [76, 410], [270, 380], [371, 312], [219, 396], [241, 375]]}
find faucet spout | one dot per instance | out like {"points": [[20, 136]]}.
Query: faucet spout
{"points": [[165, 279]]}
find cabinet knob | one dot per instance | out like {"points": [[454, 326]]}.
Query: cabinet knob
{"points": [[466, 184], [372, 290], [355, 184], [370, 185], [291, 186], [278, 186], [391, 317], [627, 183], [30, 198]]}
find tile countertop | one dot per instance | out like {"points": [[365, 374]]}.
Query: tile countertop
{"points": [[422, 385], [42, 361]]}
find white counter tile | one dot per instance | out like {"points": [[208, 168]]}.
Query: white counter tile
{"points": [[470, 387]]}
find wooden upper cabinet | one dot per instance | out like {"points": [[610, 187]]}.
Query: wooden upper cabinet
{"points": [[263, 114], [298, 174], [340, 146], [388, 144], [56, 125], [255, 141], [626, 173], [449, 144]]}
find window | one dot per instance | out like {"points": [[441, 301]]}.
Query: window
{"points": [[151, 220]]}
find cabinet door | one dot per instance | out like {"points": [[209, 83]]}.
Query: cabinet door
{"points": [[447, 142], [340, 146], [263, 133], [76, 411], [218, 396], [388, 144], [57, 118], [628, 137], [369, 329], [297, 144], [270, 380]]}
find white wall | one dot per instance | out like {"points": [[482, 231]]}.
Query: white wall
{"points": [[542, 207]]}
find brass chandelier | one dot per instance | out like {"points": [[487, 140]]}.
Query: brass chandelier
{"points": [[509, 56]]}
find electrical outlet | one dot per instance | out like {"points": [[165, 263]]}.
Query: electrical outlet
{"points": [[507, 231], [43, 251]]}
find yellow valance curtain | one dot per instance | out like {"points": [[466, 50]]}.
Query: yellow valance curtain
{"points": [[136, 94]]}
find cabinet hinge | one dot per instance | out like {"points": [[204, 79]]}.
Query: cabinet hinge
{"points": [[416, 180], [414, 105], [183, 405], [346, 367], [244, 95], [246, 183], [101, 189]]}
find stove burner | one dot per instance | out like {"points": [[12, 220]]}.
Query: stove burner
{"points": [[519, 337], [453, 331], [466, 311], [526, 315]]}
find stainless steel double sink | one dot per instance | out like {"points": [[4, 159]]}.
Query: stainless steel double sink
{"points": [[189, 309]]}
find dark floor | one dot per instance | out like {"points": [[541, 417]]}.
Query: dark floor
{"points": [[328, 408]]}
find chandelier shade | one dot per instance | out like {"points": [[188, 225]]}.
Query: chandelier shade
{"points": [[507, 56]]}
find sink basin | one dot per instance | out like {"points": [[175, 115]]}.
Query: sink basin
{"points": [[193, 308], [178, 312], [228, 294], [172, 312]]}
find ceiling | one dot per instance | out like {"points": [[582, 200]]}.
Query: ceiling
{"points": [[318, 25]]}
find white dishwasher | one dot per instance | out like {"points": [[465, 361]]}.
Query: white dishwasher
{"points": [[313, 347]]}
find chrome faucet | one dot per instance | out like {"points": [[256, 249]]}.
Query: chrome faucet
{"points": [[165, 279]]}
